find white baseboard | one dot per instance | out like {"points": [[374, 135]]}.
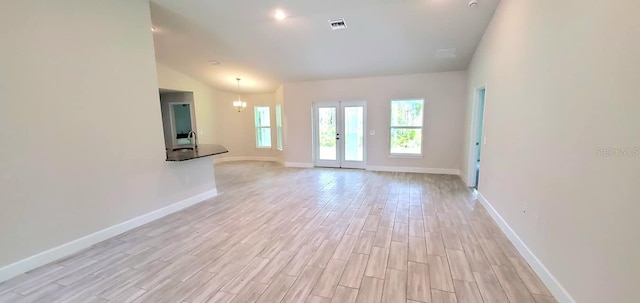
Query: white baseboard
{"points": [[298, 165], [234, 159], [421, 170], [559, 292], [69, 248]]}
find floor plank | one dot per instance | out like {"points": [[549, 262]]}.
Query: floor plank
{"points": [[300, 290], [467, 292], [490, 288], [377, 265], [326, 285], [440, 274], [398, 256], [459, 266], [370, 290], [418, 284], [439, 296], [513, 287], [354, 270], [395, 286]]}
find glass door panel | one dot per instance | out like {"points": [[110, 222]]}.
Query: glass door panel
{"points": [[354, 133], [328, 128]]}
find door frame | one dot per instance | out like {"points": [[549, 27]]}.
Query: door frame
{"points": [[473, 134], [192, 112], [340, 105], [316, 135]]}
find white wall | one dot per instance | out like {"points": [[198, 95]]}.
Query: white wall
{"points": [[562, 82], [444, 95], [71, 161]]}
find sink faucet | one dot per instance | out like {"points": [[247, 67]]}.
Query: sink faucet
{"points": [[193, 138]]}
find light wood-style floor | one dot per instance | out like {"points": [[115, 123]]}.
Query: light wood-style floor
{"points": [[302, 235]]}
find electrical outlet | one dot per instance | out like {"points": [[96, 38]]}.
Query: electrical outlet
{"points": [[372, 133], [525, 209], [484, 140]]}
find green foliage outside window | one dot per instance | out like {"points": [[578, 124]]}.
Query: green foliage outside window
{"points": [[328, 131], [406, 126]]}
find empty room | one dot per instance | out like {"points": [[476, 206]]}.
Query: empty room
{"points": [[354, 151]]}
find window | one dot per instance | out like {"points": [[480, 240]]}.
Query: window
{"points": [[263, 126], [406, 127], [279, 126]]}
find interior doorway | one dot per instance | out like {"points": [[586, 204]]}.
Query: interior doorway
{"points": [[477, 137], [339, 134], [178, 119]]}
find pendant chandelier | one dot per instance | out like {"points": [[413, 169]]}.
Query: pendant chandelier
{"points": [[239, 104]]}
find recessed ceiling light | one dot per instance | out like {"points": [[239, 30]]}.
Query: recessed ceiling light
{"points": [[214, 62], [153, 29], [280, 15]]}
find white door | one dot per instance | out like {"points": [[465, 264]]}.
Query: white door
{"points": [[339, 134]]}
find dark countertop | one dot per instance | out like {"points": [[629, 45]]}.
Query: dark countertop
{"points": [[203, 150]]}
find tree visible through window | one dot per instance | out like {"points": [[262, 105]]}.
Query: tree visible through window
{"points": [[263, 126], [406, 127]]}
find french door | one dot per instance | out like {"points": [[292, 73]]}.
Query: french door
{"points": [[339, 134]]}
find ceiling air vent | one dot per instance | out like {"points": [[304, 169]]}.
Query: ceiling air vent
{"points": [[337, 24], [446, 53]]}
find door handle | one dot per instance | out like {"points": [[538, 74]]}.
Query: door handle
{"points": [[337, 136]]}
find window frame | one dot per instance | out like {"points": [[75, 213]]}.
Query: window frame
{"points": [[279, 139], [392, 127], [259, 127]]}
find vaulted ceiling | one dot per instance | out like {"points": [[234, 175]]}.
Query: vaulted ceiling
{"points": [[384, 37]]}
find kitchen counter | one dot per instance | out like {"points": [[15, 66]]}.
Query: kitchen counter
{"points": [[203, 150]]}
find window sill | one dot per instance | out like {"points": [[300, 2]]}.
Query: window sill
{"points": [[406, 156], [263, 148]]}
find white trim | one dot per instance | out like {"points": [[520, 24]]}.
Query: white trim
{"points": [[69, 248], [298, 164], [246, 158], [279, 128], [316, 134], [406, 156], [545, 275], [421, 170], [473, 148]]}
